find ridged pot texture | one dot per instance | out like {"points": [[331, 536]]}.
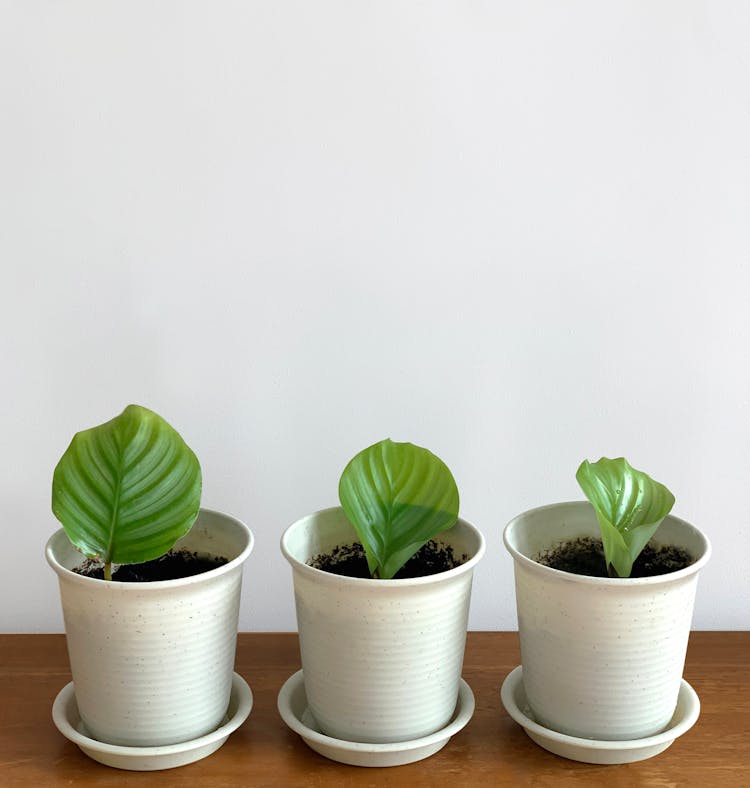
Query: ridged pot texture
{"points": [[602, 657], [152, 663], [381, 658]]}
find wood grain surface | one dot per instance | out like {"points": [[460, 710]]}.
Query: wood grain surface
{"points": [[491, 751]]}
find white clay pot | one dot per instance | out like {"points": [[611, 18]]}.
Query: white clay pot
{"points": [[602, 657], [152, 663], [381, 658]]}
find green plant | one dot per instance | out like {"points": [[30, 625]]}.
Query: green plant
{"points": [[397, 496], [127, 490], [629, 505]]}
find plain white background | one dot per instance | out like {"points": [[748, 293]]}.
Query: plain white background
{"points": [[513, 232]]}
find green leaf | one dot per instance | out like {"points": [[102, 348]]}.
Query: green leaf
{"points": [[629, 505], [127, 490], [397, 496]]}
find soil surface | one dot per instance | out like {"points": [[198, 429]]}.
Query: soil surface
{"points": [[350, 561], [585, 556], [171, 566]]}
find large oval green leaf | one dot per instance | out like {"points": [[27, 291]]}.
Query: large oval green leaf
{"points": [[629, 505], [397, 496], [127, 490]]}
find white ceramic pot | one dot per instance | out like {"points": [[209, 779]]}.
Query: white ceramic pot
{"points": [[152, 663], [602, 657], [381, 658]]}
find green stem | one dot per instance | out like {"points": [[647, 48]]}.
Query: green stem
{"points": [[108, 570]]}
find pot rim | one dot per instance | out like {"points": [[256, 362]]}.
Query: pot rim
{"points": [[321, 576], [152, 586], [619, 582]]}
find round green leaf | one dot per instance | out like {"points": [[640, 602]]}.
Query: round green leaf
{"points": [[397, 496], [127, 490], [629, 505]]}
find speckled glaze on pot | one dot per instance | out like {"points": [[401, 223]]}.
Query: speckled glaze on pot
{"points": [[602, 657], [381, 658], [152, 663]]}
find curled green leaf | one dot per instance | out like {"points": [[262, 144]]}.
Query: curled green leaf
{"points": [[127, 490], [629, 506], [397, 496]]}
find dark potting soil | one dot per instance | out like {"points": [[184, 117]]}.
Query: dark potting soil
{"points": [[585, 556], [350, 560], [171, 566]]}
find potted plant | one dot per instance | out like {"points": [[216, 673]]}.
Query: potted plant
{"points": [[150, 587], [381, 639], [604, 614]]}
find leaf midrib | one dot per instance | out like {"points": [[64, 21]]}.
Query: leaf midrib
{"points": [[116, 503]]}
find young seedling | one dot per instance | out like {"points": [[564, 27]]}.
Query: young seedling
{"points": [[127, 490], [629, 505], [397, 496]]}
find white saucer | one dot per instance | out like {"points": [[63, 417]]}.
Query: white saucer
{"points": [[143, 759], [513, 696], [292, 704]]}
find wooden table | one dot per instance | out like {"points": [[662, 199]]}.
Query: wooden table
{"points": [[491, 751]]}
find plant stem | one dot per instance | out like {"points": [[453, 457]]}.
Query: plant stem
{"points": [[611, 571], [108, 570]]}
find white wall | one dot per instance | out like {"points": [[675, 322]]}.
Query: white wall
{"points": [[514, 232]]}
